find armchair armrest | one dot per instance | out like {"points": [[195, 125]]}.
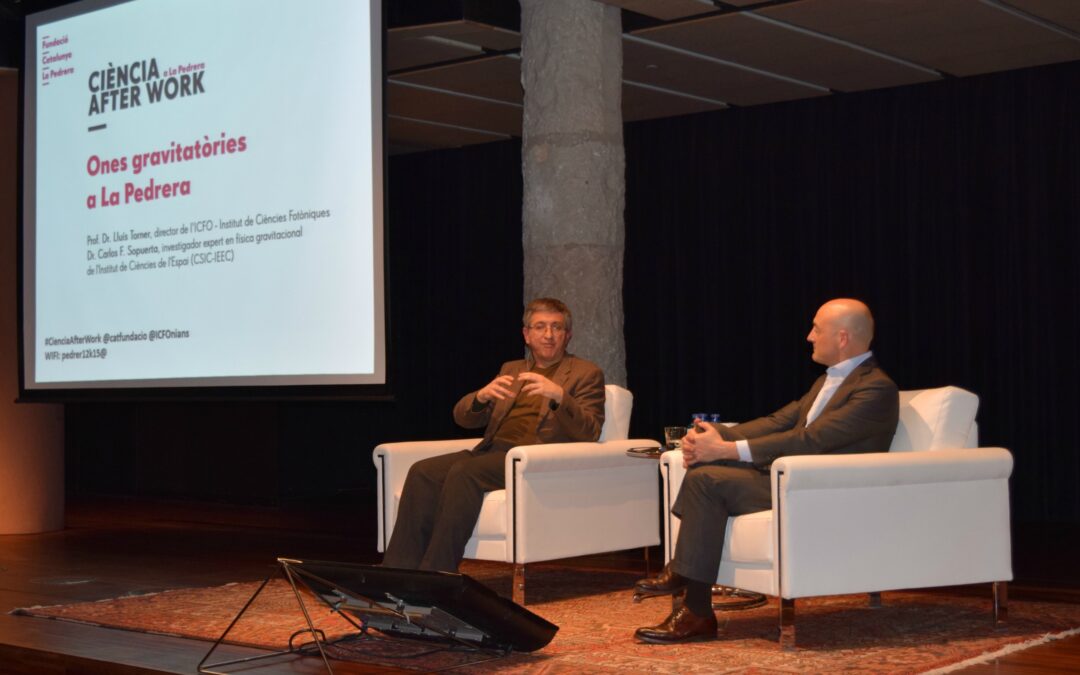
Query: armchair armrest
{"points": [[575, 456], [571, 499], [672, 473], [673, 459], [821, 472], [392, 463], [874, 522], [414, 451]]}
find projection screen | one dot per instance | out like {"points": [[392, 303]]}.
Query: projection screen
{"points": [[203, 197]]}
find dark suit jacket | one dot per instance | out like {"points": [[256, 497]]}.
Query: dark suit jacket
{"points": [[861, 416], [578, 418]]}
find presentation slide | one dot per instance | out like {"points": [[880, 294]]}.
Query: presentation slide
{"points": [[203, 195]]}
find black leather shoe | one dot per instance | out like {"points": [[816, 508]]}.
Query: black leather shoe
{"points": [[682, 625], [665, 583]]}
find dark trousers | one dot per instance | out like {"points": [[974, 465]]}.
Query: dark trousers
{"points": [[440, 503], [710, 493]]}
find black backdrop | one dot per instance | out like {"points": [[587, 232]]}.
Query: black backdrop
{"points": [[952, 208]]}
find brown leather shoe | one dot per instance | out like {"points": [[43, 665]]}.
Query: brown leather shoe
{"points": [[665, 583], [682, 625]]}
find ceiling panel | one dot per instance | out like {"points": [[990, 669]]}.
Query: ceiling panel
{"points": [[413, 46], [494, 77], [403, 100], [961, 37], [643, 103], [665, 9], [487, 37], [790, 51], [1065, 13], [410, 52], [655, 65], [414, 135]]}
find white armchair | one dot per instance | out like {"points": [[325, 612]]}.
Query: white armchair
{"points": [[933, 511], [561, 499]]}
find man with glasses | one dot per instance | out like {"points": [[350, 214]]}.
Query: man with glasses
{"points": [[550, 397]]}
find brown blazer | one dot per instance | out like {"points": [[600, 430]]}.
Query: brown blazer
{"points": [[861, 416], [578, 418]]}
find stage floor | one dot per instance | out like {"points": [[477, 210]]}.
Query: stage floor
{"points": [[112, 548], [116, 547]]}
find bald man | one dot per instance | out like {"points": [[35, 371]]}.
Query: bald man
{"points": [[852, 408]]}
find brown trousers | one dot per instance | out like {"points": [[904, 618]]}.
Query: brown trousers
{"points": [[440, 503]]}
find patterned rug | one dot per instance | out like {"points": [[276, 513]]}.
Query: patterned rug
{"points": [[911, 633]]}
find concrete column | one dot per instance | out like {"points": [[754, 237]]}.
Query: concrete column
{"points": [[574, 169], [31, 435]]}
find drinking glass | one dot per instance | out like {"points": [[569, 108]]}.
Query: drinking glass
{"points": [[673, 437]]}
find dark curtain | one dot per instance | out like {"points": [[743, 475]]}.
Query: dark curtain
{"points": [[952, 208]]}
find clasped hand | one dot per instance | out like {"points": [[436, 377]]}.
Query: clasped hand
{"points": [[501, 388], [703, 443]]}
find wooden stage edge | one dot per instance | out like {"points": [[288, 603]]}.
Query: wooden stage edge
{"points": [[32, 646]]}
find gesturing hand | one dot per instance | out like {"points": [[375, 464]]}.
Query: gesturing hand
{"points": [[498, 389], [536, 383]]}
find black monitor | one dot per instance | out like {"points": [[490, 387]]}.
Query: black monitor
{"points": [[421, 604]]}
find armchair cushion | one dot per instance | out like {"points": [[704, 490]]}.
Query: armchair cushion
{"points": [[936, 418], [618, 403], [749, 538], [492, 520]]}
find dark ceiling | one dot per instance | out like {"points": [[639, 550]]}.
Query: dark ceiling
{"points": [[453, 66], [457, 82]]}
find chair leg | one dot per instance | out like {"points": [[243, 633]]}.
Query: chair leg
{"points": [[1001, 605], [875, 600], [787, 624], [648, 565], [518, 591]]}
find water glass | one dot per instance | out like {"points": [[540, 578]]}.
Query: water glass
{"points": [[673, 437]]}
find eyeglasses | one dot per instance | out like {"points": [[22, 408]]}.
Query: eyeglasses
{"points": [[556, 328]]}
